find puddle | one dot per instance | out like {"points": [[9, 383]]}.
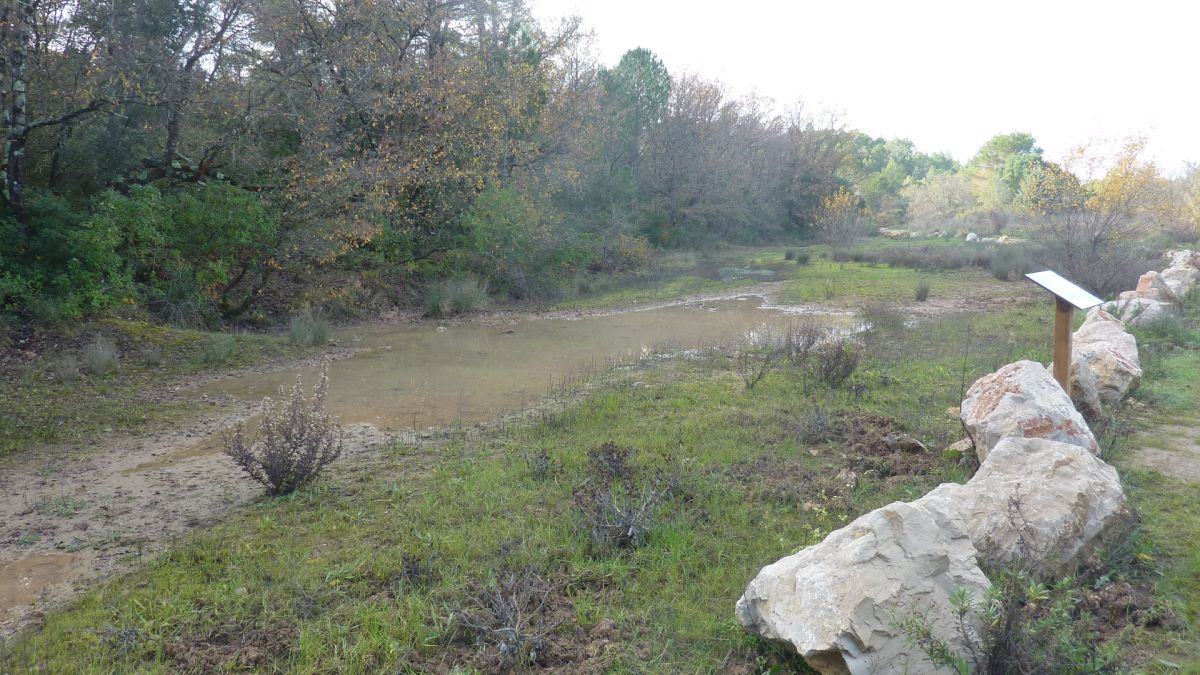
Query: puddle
{"points": [[421, 376], [22, 580]]}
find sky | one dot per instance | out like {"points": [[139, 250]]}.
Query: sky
{"points": [[948, 75]]}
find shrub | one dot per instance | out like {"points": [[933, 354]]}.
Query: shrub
{"points": [[65, 368], [512, 616], [801, 341], [151, 357], [837, 360], [619, 504], [814, 425], [921, 292], [100, 357], [298, 439], [306, 330], [790, 254], [458, 295], [1009, 263], [217, 351], [620, 516], [756, 357], [803, 257], [1026, 626], [880, 318]]}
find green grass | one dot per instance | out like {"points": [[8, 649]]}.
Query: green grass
{"points": [[54, 398], [817, 281], [365, 571], [328, 567], [825, 282]]}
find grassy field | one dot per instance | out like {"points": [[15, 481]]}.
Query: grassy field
{"points": [[473, 550], [377, 569], [815, 279]]}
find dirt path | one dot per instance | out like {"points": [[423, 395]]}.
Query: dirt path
{"points": [[1173, 450], [72, 515], [71, 518]]}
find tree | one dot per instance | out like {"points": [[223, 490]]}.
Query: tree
{"points": [[999, 167], [1089, 227], [840, 222]]}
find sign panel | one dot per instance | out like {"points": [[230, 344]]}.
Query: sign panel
{"points": [[1064, 289]]}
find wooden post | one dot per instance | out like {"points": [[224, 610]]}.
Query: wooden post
{"points": [[1062, 342]]}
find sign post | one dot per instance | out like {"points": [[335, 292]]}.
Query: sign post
{"points": [[1067, 298]]}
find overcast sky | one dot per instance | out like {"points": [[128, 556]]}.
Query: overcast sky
{"points": [[948, 75]]}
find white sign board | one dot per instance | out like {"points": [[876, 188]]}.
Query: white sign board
{"points": [[1064, 289]]}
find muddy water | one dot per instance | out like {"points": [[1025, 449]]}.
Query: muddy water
{"points": [[419, 376]]}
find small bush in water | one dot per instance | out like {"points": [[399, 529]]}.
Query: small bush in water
{"points": [[459, 295], [297, 440]]}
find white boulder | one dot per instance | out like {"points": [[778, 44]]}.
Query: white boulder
{"points": [[1151, 287], [1139, 311], [1184, 258], [837, 603], [1181, 279], [1036, 499], [971, 236], [1104, 362], [1023, 400]]}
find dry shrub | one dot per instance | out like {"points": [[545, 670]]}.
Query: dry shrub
{"points": [[801, 340], [298, 440], [232, 647], [619, 504], [754, 359], [837, 359], [511, 618]]}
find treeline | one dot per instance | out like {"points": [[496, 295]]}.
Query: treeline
{"points": [[235, 160], [212, 161]]}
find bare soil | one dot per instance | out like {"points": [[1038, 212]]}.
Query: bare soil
{"points": [[1181, 461]]}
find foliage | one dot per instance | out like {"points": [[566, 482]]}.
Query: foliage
{"points": [[1089, 229], [307, 330], [297, 440], [921, 292], [459, 295], [1022, 625], [100, 357], [840, 222]]}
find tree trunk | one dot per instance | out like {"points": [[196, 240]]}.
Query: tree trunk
{"points": [[17, 27]]}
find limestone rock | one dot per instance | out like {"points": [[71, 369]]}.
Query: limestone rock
{"points": [[836, 603], [1139, 311], [1023, 400], [1104, 362], [1085, 387], [971, 236], [1180, 279], [1184, 258], [1151, 287], [1041, 500], [903, 443]]}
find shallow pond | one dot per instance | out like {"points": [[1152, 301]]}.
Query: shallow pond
{"points": [[420, 375]]}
